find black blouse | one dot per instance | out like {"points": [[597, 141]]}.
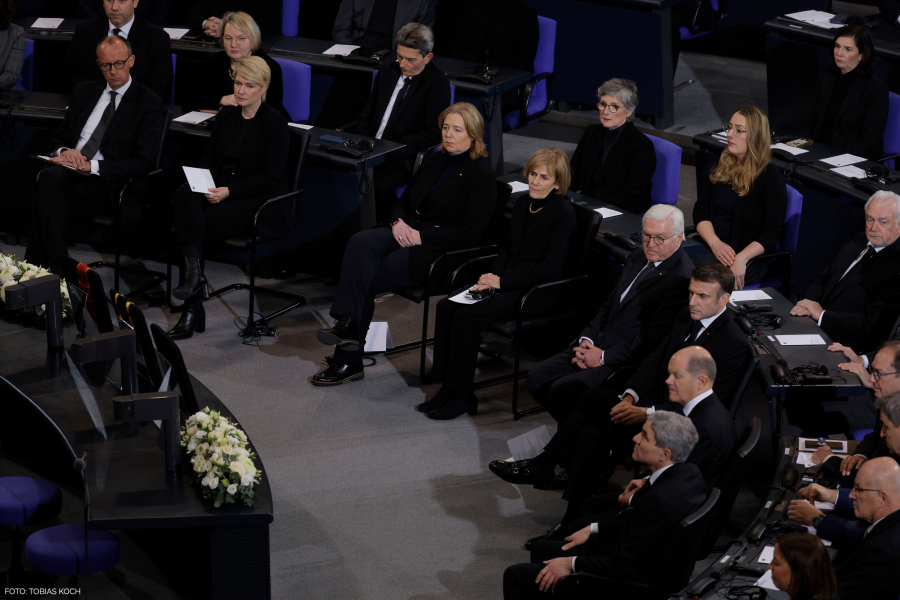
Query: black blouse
{"points": [[838, 93], [724, 202]]}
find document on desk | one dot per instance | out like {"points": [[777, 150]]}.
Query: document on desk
{"points": [[340, 50], [747, 295], [200, 180], [789, 149], [194, 117], [850, 171], [766, 581], [175, 33], [528, 445], [812, 444], [842, 160], [46, 23], [766, 556], [816, 17], [518, 186], [300, 126], [800, 340], [607, 212]]}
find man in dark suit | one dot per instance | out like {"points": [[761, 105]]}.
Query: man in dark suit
{"points": [[634, 320], [406, 100], [111, 131], [857, 298], [157, 12], [869, 556], [150, 46], [624, 548], [375, 23]]}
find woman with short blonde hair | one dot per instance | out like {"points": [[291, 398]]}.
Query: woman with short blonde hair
{"points": [[254, 70], [474, 125]]}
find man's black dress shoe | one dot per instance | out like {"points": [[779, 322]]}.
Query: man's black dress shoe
{"points": [[555, 533], [521, 471], [338, 374], [344, 333], [454, 407]]}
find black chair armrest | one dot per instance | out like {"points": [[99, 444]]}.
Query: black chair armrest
{"points": [[420, 156], [541, 287], [524, 117], [767, 256], [469, 263], [622, 241], [456, 255], [131, 180], [270, 202]]}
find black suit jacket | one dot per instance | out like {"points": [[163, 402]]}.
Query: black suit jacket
{"points": [[353, 17], [890, 9], [625, 178], [157, 12], [266, 13], [716, 440], [859, 125], [535, 250], [642, 530], [868, 569], [453, 216], [500, 32], [860, 308], [629, 330], [758, 216], [723, 339], [214, 81], [152, 55], [415, 121]]}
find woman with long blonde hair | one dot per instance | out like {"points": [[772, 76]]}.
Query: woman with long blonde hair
{"points": [[741, 214]]}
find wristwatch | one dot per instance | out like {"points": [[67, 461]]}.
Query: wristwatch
{"points": [[817, 521]]}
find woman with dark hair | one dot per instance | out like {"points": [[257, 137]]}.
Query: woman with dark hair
{"points": [[12, 47], [851, 105], [802, 568]]}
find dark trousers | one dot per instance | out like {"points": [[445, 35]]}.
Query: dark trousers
{"points": [[519, 580], [197, 220], [388, 177], [61, 195], [557, 384], [374, 263]]}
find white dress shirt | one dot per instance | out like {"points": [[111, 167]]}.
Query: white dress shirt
{"points": [[93, 120], [853, 264], [124, 29], [390, 106]]}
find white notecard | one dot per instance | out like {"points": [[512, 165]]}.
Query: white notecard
{"points": [[812, 15], [378, 338], [71, 168], [194, 117], [200, 180], [47, 23], [766, 581], [518, 186], [766, 556], [607, 212], [790, 149], [300, 126], [746, 295], [463, 298], [340, 50], [529, 445], [850, 171], [842, 160], [174, 33], [800, 340]]}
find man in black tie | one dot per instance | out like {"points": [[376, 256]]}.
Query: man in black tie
{"points": [[632, 322], [857, 298], [150, 47], [374, 23], [406, 100], [112, 132]]}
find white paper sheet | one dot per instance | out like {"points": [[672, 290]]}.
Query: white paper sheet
{"points": [[529, 445], [47, 23], [812, 530], [800, 340], [766, 581], [200, 180], [748, 295], [174, 33], [766, 556], [842, 160], [66, 166], [518, 186], [812, 444], [850, 171], [816, 17], [721, 135], [805, 459], [340, 50], [194, 117], [378, 338], [607, 212], [300, 126], [789, 149], [462, 298]]}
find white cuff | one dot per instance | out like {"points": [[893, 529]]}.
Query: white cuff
{"points": [[573, 563], [95, 167], [819, 322], [203, 25], [594, 529], [57, 152], [582, 338], [898, 21], [865, 361], [633, 395]]}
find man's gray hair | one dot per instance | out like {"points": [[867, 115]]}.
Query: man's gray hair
{"points": [[624, 90], [890, 406], [675, 433], [885, 196], [416, 36], [664, 212]]}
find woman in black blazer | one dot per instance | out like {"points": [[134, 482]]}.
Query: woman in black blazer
{"points": [[614, 162], [851, 106], [447, 206], [246, 155], [742, 214], [534, 253], [213, 88]]}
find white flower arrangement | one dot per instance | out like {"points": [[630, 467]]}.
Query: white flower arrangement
{"points": [[220, 457], [13, 271]]}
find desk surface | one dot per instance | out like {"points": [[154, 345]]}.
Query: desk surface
{"points": [[886, 37]]}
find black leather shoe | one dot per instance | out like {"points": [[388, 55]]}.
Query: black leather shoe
{"points": [[555, 533], [194, 280], [193, 318], [443, 396], [521, 471], [345, 333], [338, 374], [561, 480], [455, 407]]}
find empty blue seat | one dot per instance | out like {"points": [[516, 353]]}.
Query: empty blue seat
{"points": [[26, 78], [667, 176], [25, 500], [60, 550], [297, 83], [891, 129], [537, 99]]}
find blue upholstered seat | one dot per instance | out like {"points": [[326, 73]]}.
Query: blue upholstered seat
{"points": [[60, 550]]}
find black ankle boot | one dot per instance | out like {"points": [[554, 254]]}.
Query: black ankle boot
{"points": [[194, 280], [193, 318]]}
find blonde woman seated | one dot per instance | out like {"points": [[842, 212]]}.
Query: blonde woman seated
{"points": [[534, 252], [742, 214]]}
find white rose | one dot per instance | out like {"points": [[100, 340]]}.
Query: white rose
{"points": [[213, 482], [238, 469], [232, 489], [201, 417], [200, 434], [192, 430], [247, 479], [207, 466]]}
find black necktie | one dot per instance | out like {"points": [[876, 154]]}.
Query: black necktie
{"points": [[695, 331], [402, 95], [93, 145], [117, 31]]}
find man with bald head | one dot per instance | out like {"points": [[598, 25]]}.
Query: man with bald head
{"points": [[869, 556], [111, 132]]}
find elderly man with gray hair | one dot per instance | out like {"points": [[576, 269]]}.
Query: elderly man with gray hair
{"points": [[619, 548], [857, 298], [633, 321], [614, 162]]}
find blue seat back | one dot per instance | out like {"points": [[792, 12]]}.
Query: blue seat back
{"points": [[26, 78], [667, 176], [791, 231], [892, 128], [544, 61], [172, 93], [290, 13], [297, 83]]}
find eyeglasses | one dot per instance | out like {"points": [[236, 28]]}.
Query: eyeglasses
{"points": [[119, 65], [228, 39], [878, 375], [613, 108], [738, 132], [859, 490], [656, 238]]}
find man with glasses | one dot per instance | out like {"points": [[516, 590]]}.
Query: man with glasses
{"points": [[869, 556], [111, 132], [150, 47], [630, 324]]}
